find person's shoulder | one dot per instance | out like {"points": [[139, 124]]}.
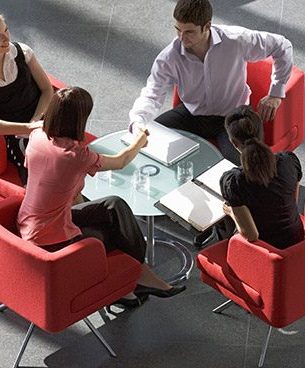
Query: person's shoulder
{"points": [[230, 183], [233, 33], [38, 138], [27, 51], [170, 51], [232, 177], [37, 132], [288, 157]]}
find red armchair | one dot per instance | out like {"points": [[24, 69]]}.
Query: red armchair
{"points": [[55, 290], [286, 131], [8, 170], [264, 280]]}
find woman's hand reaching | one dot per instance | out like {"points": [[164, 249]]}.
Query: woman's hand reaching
{"points": [[142, 137]]}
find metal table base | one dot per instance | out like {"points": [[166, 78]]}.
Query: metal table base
{"points": [[184, 254]]}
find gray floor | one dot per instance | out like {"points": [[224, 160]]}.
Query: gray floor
{"points": [[107, 46]]}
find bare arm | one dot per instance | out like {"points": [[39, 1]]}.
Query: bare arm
{"points": [[10, 128], [126, 155], [243, 220], [44, 85]]}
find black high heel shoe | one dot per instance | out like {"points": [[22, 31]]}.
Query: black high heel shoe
{"points": [[131, 303], [141, 290]]}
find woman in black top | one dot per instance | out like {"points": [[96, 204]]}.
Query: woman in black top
{"points": [[25, 91], [261, 195]]}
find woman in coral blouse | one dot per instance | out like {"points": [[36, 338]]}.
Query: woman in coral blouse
{"points": [[58, 161]]}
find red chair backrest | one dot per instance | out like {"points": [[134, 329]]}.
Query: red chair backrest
{"points": [[289, 121], [286, 131]]}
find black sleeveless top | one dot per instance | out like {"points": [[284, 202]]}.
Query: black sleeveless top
{"points": [[19, 99], [18, 102]]}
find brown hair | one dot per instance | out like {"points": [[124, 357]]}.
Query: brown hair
{"points": [[67, 113], [198, 12], [245, 130]]}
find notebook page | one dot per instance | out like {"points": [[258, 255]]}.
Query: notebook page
{"points": [[194, 205], [212, 176]]}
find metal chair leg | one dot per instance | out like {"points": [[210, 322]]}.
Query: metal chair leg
{"points": [[24, 345], [99, 336], [264, 349], [3, 307], [223, 306]]}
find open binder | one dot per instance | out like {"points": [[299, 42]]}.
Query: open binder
{"points": [[197, 204]]}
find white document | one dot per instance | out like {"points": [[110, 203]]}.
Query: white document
{"points": [[194, 205], [211, 177], [164, 145]]}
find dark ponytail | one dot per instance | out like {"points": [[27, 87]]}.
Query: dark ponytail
{"points": [[258, 162], [245, 130]]}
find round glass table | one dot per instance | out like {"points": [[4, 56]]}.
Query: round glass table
{"points": [[121, 183]]}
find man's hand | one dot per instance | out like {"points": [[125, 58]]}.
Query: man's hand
{"points": [[267, 107]]}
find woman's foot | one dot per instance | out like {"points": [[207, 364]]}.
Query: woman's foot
{"points": [[142, 290], [131, 303]]}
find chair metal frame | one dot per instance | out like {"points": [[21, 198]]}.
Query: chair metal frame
{"points": [[261, 361], [30, 331]]}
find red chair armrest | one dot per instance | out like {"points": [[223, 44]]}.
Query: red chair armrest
{"points": [[54, 278], [176, 99], [9, 189]]}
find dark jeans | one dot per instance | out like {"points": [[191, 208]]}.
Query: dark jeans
{"points": [[208, 127], [111, 220]]}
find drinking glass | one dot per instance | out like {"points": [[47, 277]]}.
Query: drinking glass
{"points": [[105, 176], [185, 171], [141, 181]]}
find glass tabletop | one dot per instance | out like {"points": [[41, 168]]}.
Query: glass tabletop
{"points": [[121, 183]]}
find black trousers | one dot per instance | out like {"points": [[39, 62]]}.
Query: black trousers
{"points": [[208, 127], [111, 220]]}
